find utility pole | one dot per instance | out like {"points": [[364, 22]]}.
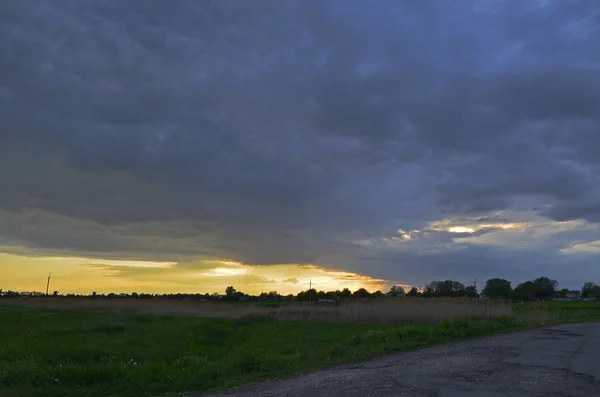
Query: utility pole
{"points": [[48, 283]]}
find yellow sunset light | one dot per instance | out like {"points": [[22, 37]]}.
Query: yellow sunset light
{"points": [[84, 275], [108, 262], [461, 229], [224, 271]]}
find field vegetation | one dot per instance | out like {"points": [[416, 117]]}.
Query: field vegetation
{"points": [[161, 348], [396, 311], [161, 345]]}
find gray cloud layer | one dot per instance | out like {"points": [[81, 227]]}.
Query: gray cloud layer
{"points": [[286, 131]]}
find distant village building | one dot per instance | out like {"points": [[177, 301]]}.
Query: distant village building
{"points": [[572, 295]]}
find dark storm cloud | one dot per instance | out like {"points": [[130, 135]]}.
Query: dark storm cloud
{"points": [[581, 209], [561, 183], [482, 263], [286, 131]]}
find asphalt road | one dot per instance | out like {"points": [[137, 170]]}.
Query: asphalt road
{"points": [[562, 361]]}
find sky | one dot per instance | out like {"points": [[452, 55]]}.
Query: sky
{"points": [[184, 146]]}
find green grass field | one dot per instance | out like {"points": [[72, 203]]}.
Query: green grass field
{"points": [[556, 312], [72, 353]]}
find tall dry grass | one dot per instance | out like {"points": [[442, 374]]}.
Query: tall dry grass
{"points": [[383, 311], [397, 311]]}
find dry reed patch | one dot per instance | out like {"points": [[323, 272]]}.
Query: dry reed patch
{"points": [[372, 311], [398, 311]]}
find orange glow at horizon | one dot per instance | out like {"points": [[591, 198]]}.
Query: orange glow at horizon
{"points": [[84, 275]]}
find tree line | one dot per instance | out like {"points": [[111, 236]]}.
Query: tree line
{"points": [[542, 288]]}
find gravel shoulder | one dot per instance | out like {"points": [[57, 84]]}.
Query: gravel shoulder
{"points": [[553, 361]]}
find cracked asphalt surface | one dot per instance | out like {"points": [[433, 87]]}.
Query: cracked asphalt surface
{"points": [[561, 361]]}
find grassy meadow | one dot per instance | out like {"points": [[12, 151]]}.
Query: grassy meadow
{"points": [[148, 351]]}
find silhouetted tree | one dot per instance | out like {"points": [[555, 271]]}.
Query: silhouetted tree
{"points": [[471, 292], [590, 290], [230, 291], [497, 288], [545, 288], [396, 291], [413, 292], [231, 294], [272, 296], [525, 291], [307, 295], [447, 288], [361, 293]]}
